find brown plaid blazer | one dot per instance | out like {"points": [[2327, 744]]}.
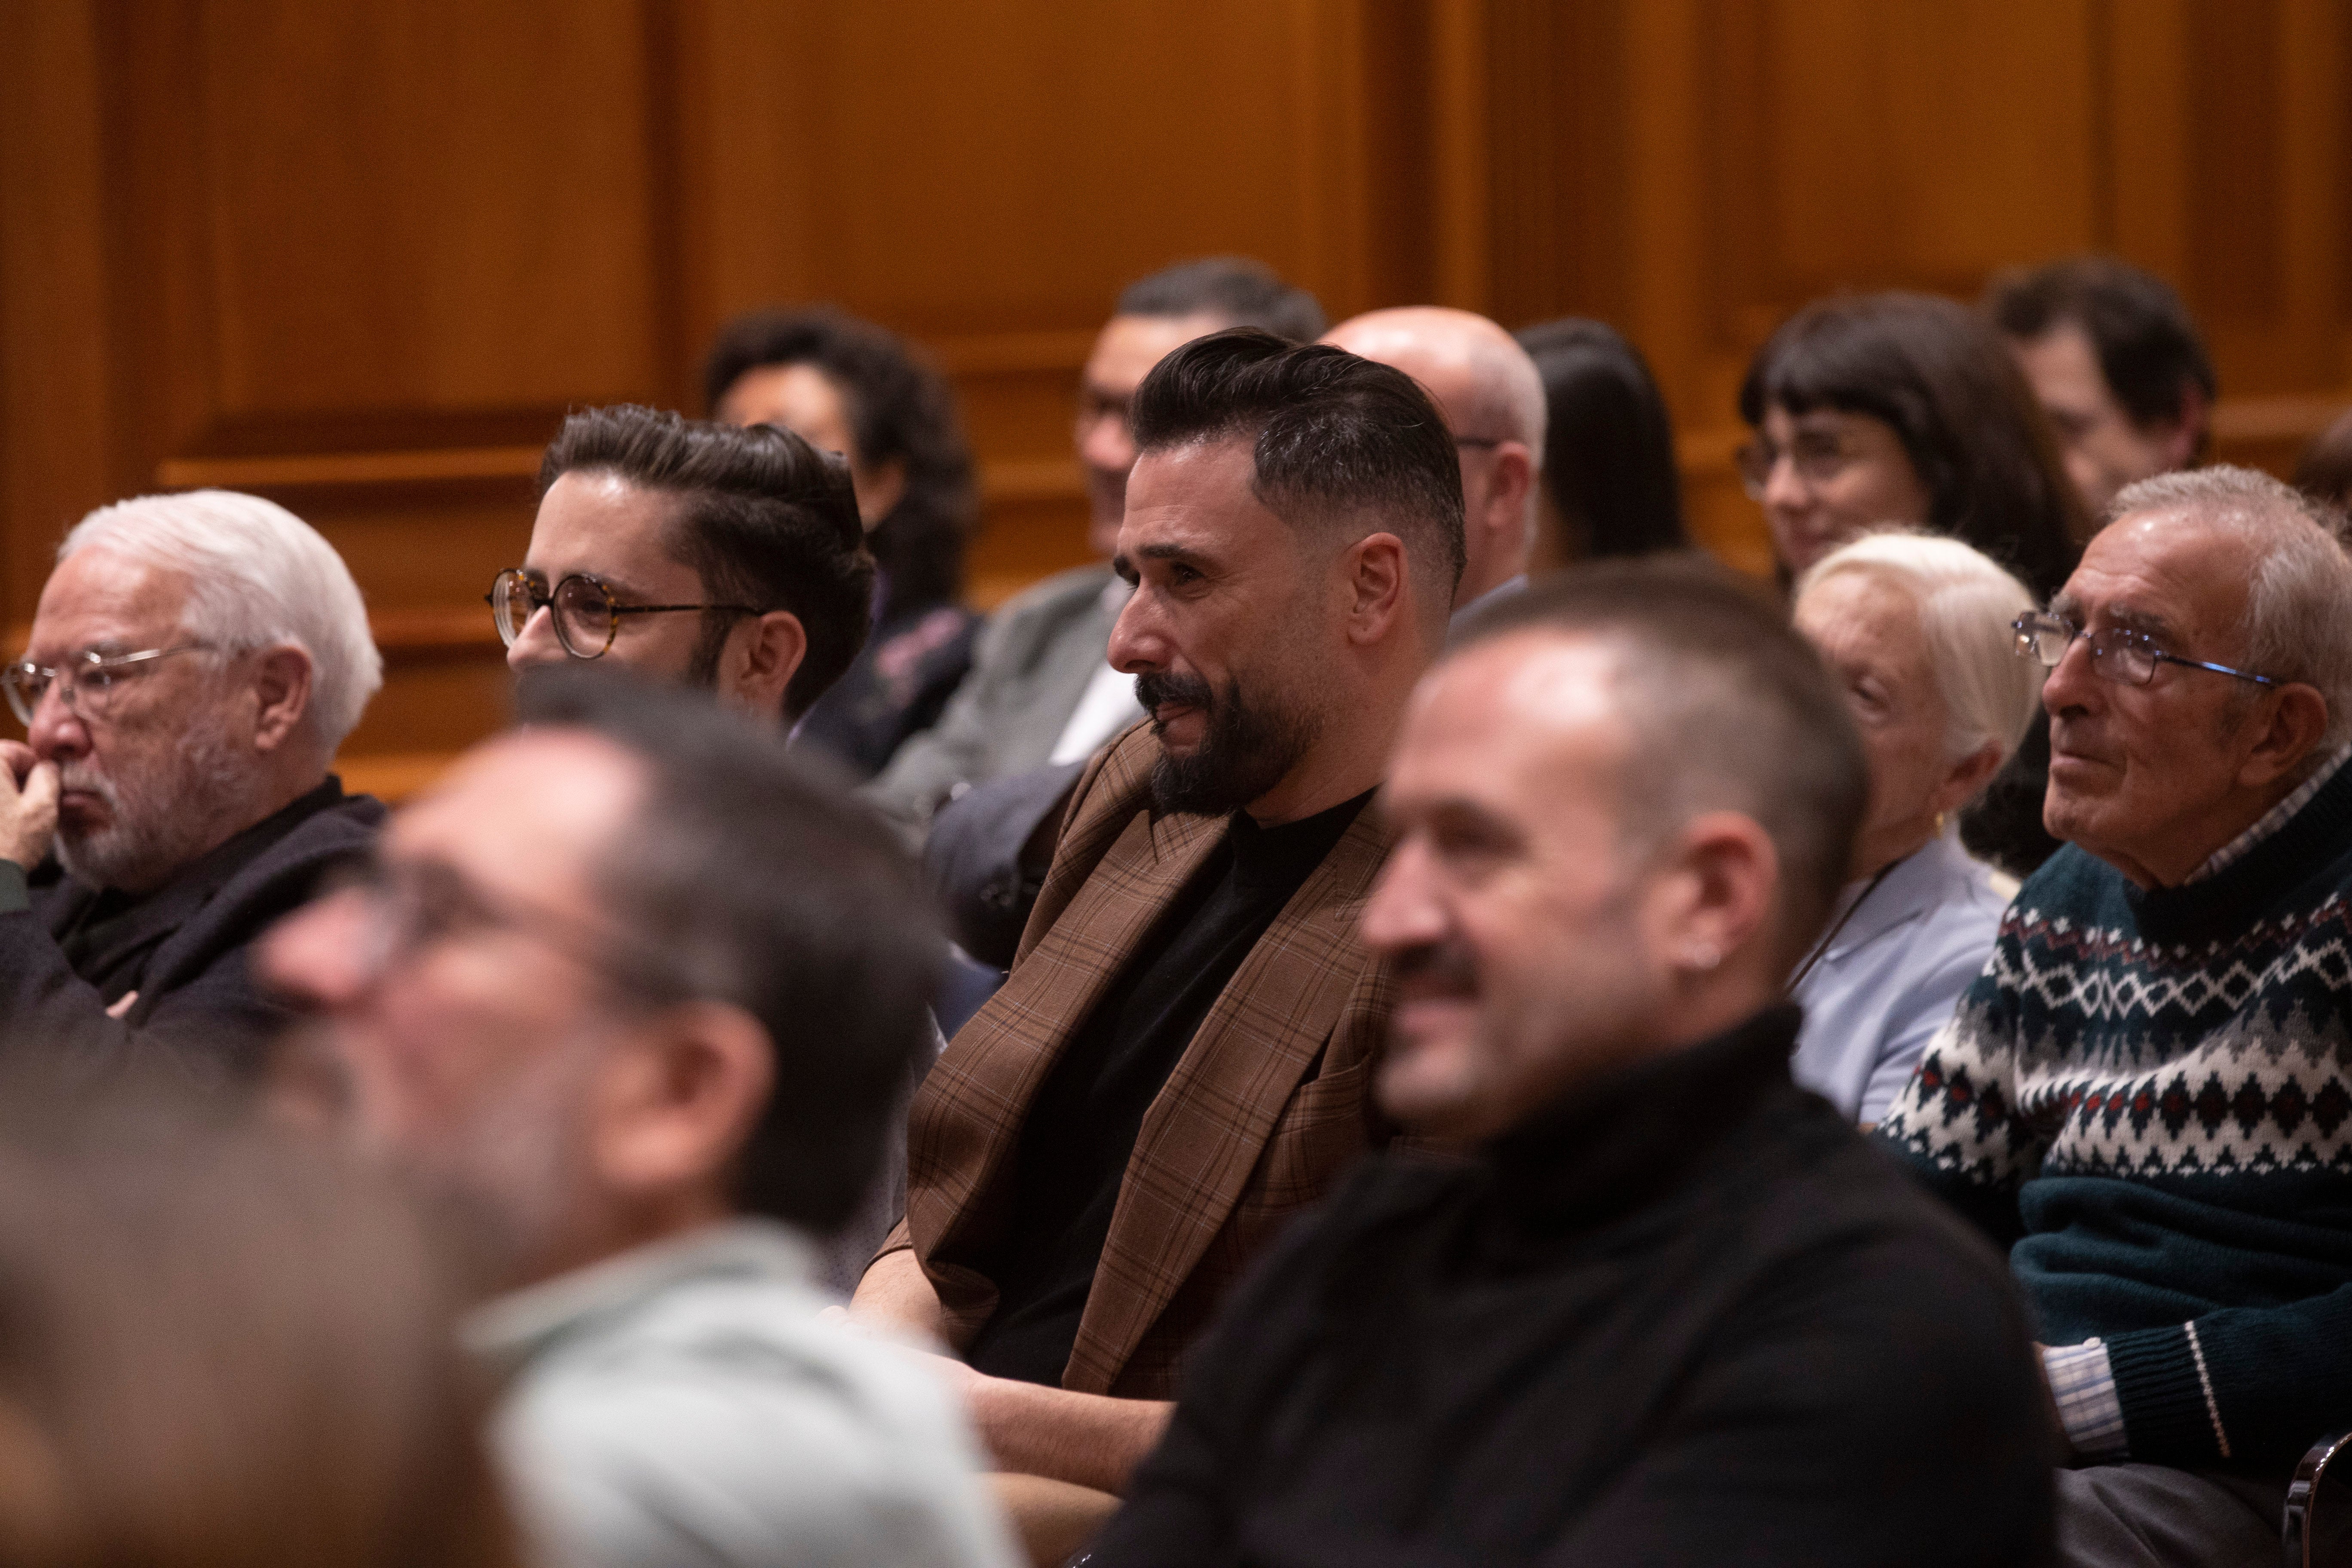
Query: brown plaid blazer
{"points": [[1268, 1104]]}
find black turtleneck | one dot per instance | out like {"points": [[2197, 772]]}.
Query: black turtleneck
{"points": [[1687, 1316], [1082, 1129]]}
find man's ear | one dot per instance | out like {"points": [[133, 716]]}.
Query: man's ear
{"points": [[678, 1102], [1377, 583], [1514, 472], [2298, 717], [762, 662], [281, 691], [1720, 883]]}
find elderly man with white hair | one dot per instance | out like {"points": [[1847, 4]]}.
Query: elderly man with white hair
{"points": [[194, 661], [1492, 398], [2145, 1096]]}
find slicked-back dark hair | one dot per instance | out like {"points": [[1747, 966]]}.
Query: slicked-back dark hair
{"points": [[1729, 709], [763, 518], [1938, 374], [750, 877], [1236, 288], [2148, 348], [1609, 446], [900, 411], [1338, 439]]}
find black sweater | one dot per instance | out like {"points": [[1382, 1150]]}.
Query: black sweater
{"points": [[1688, 1318]]}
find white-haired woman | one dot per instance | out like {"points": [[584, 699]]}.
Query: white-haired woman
{"points": [[1917, 630]]}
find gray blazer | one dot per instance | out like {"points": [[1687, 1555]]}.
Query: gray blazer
{"points": [[1032, 663]]}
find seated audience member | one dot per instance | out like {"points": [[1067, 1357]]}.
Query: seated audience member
{"points": [[1903, 410], [727, 559], [1493, 400], [641, 991], [1042, 693], [195, 660], [1919, 633], [1611, 484], [2117, 363], [1178, 1063], [1670, 1310], [847, 386], [224, 1347], [2142, 1094], [2323, 472]]}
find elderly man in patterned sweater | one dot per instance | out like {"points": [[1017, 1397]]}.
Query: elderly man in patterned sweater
{"points": [[2145, 1094]]}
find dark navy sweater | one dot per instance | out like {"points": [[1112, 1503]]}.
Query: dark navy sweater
{"points": [[2145, 1097]]}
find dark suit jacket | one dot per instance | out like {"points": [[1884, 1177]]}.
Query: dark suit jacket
{"points": [[1268, 1104], [195, 996]]}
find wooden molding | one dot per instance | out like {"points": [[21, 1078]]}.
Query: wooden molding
{"points": [[335, 469]]}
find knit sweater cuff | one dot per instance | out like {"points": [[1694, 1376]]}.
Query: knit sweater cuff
{"points": [[14, 894], [2169, 1414]]}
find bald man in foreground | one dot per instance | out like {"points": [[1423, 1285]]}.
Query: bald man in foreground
{"points": [[1492, 399]]}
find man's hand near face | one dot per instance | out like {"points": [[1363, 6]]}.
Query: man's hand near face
{"points": [[29, 804]]}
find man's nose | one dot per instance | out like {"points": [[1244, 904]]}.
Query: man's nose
{"points": [[320, 956], [2074, 681], [1402, 912], [537, 643], [57, 730], [1137, 644], [1106, 443]]}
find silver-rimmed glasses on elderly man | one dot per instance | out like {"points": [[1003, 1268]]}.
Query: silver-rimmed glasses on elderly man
{"points": [[86, 681], [2118, 653], [587, 613]]}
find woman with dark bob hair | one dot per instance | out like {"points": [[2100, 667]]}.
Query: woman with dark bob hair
{"points": [[849, 386], [1609, 485], [1873, 410]]}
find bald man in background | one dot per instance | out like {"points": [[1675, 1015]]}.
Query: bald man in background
{"points": [[1493, 397]]}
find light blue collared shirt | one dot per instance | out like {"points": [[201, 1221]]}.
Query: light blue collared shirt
{"points": [[1892, 975]]}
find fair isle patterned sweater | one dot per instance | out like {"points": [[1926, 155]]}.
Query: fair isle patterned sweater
{"points": [[2147, 1097]]}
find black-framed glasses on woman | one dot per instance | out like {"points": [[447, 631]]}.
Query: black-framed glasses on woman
{"points": [[2118, 653], [587, 614], [86, 682]]}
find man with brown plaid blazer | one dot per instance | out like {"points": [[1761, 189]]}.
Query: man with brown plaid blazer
{"points": [[1182, 1057]]}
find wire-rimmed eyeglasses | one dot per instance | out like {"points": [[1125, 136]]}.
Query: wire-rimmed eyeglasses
{"points": [[86, 681], [2118, 653], [587, 614]]}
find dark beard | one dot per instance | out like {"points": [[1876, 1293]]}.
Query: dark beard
{"points": [[1245, 751]]}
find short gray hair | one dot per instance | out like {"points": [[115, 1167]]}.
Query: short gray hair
{"points": [[258, 576], [2298, 621], [1966, 603]]}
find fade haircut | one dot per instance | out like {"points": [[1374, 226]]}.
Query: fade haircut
{"points": [[258, 576], [2148, 348], [1725, 708], [900, 410], [750, 878], [1237, 290], [2294, 626], [1340, 442], [763, 519]]}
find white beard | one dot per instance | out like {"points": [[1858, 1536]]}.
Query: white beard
{"points": [[157, 821]]}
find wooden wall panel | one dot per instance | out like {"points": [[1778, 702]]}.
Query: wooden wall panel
{"points": [[361, 257]]}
